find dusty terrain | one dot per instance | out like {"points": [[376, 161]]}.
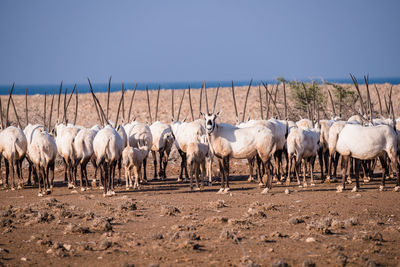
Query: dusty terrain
{"points": [[167, 225]]}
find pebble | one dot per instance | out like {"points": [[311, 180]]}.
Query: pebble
{"points": [[24, 259], [310, 239], [67, 247]]}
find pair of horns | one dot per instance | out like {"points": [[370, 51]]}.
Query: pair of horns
{"points": [[245, 102], [10, 100]]}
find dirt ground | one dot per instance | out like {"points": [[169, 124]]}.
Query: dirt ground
{"points": [[166, 224]]}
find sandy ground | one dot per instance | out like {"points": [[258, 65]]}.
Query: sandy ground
{"points": [[167, 225]]}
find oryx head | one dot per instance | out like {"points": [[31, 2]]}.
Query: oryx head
{"points": [[210, 121]]}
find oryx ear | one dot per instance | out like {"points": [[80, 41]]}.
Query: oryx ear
{"points": [[202, 114], [218, 113], [66, 122], [172, 119], [184, 119]]}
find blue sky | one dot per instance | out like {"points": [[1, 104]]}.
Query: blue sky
{"points": [[43, 42]]}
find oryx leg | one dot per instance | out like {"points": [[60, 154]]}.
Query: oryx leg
{"points": [[222, 171], [155, 164], [251, 167], [312, 161], [345, 169], [144, 171]]}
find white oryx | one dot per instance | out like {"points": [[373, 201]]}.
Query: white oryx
{"points": [[227, 141]]}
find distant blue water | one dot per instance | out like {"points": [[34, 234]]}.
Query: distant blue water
{"points": [[102, 87]]}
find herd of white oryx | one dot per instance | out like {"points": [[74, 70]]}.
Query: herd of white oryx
{"points": [[359, 142]]}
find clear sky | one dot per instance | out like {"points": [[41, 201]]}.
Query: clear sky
{"points": [[43, 42]]}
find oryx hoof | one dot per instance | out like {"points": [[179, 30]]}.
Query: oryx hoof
{"points": [[260, 184], [191, 188], [265, 191], [83, 189], [339, 189], [12, 188], [220, 191], [396, 189], [19, 187], [366, 180], [355, 189], [349, 181], [94, 184], [226, 190], [328, 180], [209, 183], [312, 184], [287, 183], [278, 182], [101, 187], [70, 186], [381, 188], [305, 185], [251, 179], [198, 189], [40, 194], [179, 180]]}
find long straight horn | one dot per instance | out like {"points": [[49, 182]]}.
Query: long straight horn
{"points": [[201, 98], [44, 110], [51, 113], [102, 116], [386, 105], [172, 104], [59, 97], [190, 103], [148, 103], [261, 105], [158, 97], [65, 105], [26, 105], [123, 102], [205, 96], [366, 80], [245, 101], [268, 101], [215, 98], [272, 98], [234, 102], [71, 95], [379, 98], [284, 98], [108, 97], [76, 105], [16, 114], [130, 105], [8, 104], [332, 103], [392, 110], [1, 115], [119, 108], [390, 98], [95, 104], [359, 93], [180, 105]]}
